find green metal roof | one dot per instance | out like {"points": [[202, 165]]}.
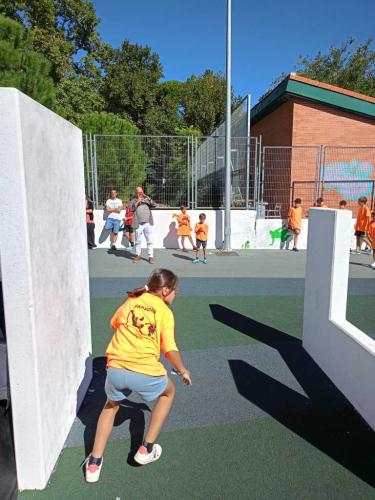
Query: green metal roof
{"points": [[289, 88]]}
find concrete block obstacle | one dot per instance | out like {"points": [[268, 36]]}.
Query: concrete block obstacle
{"points": [[343, 351], [44, 267]]}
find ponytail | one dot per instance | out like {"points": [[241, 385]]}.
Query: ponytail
{"points": [[158, 279], [137, 292]]}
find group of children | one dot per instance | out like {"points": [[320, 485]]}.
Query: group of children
{"points": [[184, 230], [364, 226]]}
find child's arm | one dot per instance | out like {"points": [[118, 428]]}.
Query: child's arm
{"points": [[175, 360]]}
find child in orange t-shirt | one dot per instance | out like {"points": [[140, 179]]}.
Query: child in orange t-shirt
{"points": [[295, 221], [363, 220], [201, 235], [184, 228], [144, 326], [371, 237], [342, 205]]}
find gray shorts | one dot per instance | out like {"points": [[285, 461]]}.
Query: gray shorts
{"points": [[121, 383]]}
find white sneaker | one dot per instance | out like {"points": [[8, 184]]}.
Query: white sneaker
{"points": [[373, 264], [143, 457], [92, 471]]}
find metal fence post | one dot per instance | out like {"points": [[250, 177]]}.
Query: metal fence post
{"points": [[248, 141], [188, 172], [95, 175]]}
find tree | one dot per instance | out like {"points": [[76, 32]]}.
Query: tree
{"points": [[130, 84], [166, 114], [64, 32], [21, 67], [121, 161], [204, 101], [350, 66]]}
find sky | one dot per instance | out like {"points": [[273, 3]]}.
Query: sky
{"points": [[268, 36]]}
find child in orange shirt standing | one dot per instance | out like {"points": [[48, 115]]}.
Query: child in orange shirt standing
{"points": [[295, 221], [201, 235], [144, 326], [371, 237], [184, 228], [363, 220]]}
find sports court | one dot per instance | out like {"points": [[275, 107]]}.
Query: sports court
{"points": [[261, 420]]}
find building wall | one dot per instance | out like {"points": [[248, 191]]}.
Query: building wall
{"points": [[44, 269], [307, 126], [315, 123], [277, 127]]}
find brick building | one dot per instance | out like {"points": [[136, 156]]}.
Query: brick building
{"points": [[319, 140]]}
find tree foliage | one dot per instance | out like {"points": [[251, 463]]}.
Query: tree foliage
{"points": [[64, 32], [21, 67], [349, 66], [132, 73], [121, 161], [204, 101]]}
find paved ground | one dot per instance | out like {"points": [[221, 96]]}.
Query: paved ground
{"points": [[261, 420]]}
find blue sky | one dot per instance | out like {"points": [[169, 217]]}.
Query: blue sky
{"points": [[268, 36]]}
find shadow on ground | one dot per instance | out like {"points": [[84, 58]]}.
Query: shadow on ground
{"points": [[93, 405], [325, 418], [183, 257]]}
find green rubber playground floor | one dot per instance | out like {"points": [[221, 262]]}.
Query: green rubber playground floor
{"points": [[261, 420]]}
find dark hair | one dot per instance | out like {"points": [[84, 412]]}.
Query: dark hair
{"points": [[298, 200], [362, 199], [319, 200], [157, 280], [202, 215], [373, 213], [343, 203], [183, 206]]}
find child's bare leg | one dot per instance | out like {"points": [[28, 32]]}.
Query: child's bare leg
{"points": [[359, 244], [295, 239], [183, 242], [160, 413], [104, 427], [204, 253], [191, 241], [113, 238]]}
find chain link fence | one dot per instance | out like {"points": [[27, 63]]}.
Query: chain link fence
{"points": [[312, 172], [179, 170]]}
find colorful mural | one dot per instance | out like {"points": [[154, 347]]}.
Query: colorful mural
{"points": [[354, 170]]}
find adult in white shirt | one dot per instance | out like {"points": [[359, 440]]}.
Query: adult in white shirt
{"points": [[113, 207]]}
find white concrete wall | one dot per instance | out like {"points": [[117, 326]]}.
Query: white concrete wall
{"points": [[45, 279], [244, 228], [165, 229], [345, 353]]}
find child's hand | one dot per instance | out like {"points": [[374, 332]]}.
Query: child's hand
{"points": [[186, 377]]}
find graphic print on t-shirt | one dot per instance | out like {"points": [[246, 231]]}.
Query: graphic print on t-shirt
{"points": [[141, 321]]}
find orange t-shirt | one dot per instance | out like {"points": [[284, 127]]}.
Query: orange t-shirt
{"points": [[144, 326], [201, 231], [295, 218], [371, 233], [363, 218], [184, 228]]}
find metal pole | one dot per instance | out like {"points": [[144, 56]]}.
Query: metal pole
{"points": [[228, 188], [248, 139], [188, 173]]}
